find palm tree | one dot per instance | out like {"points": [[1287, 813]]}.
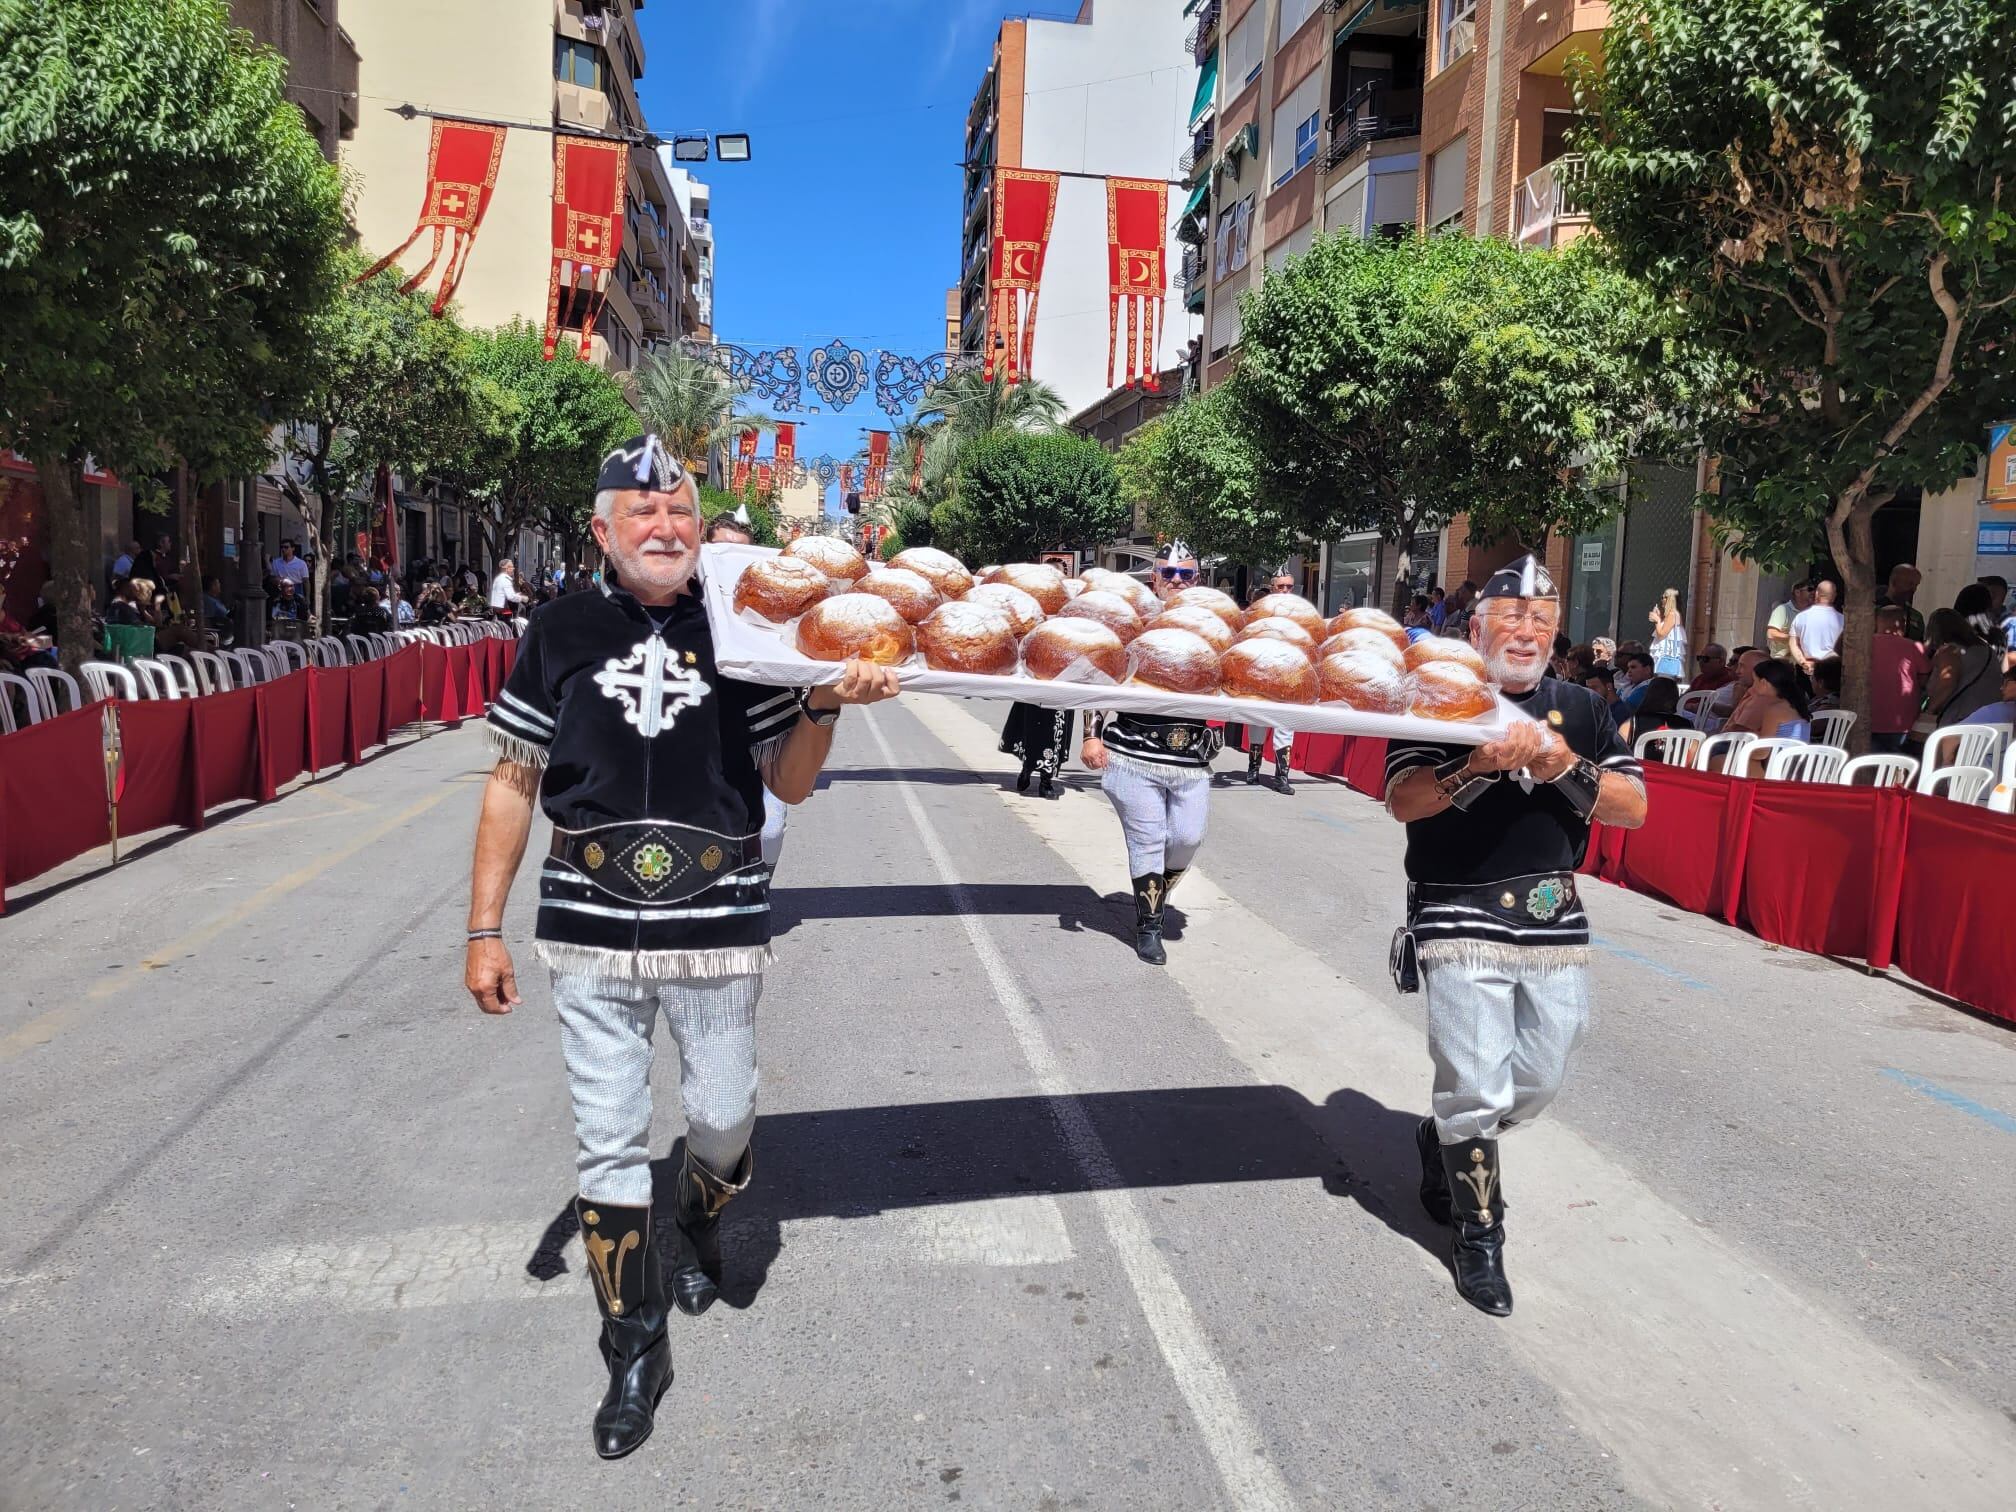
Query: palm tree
{"points": [[689, 403], [966, 406]]}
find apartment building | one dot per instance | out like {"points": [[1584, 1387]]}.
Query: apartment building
{"points": [[695, 202], [322, 61], [1107, 92]]}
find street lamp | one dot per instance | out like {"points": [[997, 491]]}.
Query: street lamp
{"points": [[733, 147], [690, 148]]}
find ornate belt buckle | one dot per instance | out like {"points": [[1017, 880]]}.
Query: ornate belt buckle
{"points": [[1549, 896]]}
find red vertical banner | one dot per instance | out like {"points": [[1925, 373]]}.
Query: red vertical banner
{"points": [[1137, 213], [1025, 210], [745, 459], [384, 546], [462, 161], [917, 468], [787, 450], [590, 177], [878, 464], [846, 480], [764, 473]]}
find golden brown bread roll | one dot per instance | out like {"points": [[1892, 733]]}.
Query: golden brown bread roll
{"points": [[1280, 627], [987, 574], [968, 637], [1040, 581], [856, 624], [834, 557], [946, 572], [1111, 610], [1056, 646], [1177, 661], [1102, 578], [780, 588], [1139, 594], [1370, 681], [1448, 690], [1023, 612], [1371, 619], [1267, 668], [1291, 606], [1219, 603], [1075, 586], [910, 594], [1369, 642], [1198, 621], [1444, 648]]}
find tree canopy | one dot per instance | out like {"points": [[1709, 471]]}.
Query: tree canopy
{"points": [[1198, 478], [1021, 493]]}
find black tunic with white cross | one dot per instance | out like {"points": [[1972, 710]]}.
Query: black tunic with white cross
{"points": [[1510, 832], [626, 712]]}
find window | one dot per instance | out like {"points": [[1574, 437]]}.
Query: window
{"points": [[1448, 175], [1295, 129], [630, 60], [577, 63], [1459, 31], [1294, 244], [1242, 234], [1245, 50], [1225, 324], [1295, 12]]}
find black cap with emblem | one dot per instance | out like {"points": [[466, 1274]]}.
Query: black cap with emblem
{"points": [[642, 462], [1525, 578]]}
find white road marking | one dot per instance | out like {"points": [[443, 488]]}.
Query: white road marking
{"points": [[1715, 1381], [1234, 1443]]}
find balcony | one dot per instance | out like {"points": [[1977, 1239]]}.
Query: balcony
{"points": [[1204, 35], [1551, 213], [1192, 278], [322, 62], [978, 200], [1198, 158], [1376, 113]]}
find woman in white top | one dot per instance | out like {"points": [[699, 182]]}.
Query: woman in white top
{"points": [[1669, 637]]}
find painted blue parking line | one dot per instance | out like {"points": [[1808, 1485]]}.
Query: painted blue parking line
{"points": [[1995, 1118], [1671, 973]]}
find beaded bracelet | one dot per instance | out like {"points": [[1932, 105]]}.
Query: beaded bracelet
{"points": [[486, 934]]}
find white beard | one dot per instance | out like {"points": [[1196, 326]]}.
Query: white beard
{"points": [[654, 567]]}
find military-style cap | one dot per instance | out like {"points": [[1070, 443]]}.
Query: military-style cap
{"points": [[642, 462], [1176, 551], [1525, 578]]}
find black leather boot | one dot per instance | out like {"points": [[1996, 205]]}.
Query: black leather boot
{"points": [[696, 1274], [1149, 891], [1280, 782], [1170, 879], [630, 1289], [1434, 1180], [1022, 782], [1254, 751], [1477, 1215], [1047, 787]]}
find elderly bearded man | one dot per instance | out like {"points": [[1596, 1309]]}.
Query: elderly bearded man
{"points": [[654, 898], [1494, 835]]}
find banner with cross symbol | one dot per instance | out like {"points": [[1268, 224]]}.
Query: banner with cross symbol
{"points": [[590, 176], [462, 161]]}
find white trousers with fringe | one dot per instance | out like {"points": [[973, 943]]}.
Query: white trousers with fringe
{"points": [[1502, 1024]]}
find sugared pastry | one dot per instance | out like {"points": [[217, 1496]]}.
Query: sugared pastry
{"points": [[1023, 612], [1267, 668], [1369, 642], [839, 561], [1448, 690], [1369, 681], [1140, 595], [1102, 578], [1177, 661], [947, 574], [987, 574], [1371, 619], [1197, 621], [1055, 646], [968, 637], [1280, 627], [1217, 601], [1040, 581], [1111, 610], [910, 594], [1294, 607], [1444, 648], [780, 588], [1075, 586], [856, 624]]}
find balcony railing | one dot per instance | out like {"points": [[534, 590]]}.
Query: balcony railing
{"points": [[1376, 113], [1204, 35], [1199, 155], [1550, 201]]}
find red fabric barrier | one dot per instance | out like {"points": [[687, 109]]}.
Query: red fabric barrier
{"points": [[1813, 853], [1677, 855], [1955, 937], [510, 661], [160, 766], [1365, 767], [367, 709], [440, 700], [52, 795], [474, 699], [402, 687], [227, 748], [283, 731], [328, 716], [1322, 755]]}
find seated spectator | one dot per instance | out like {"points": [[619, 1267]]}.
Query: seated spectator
{"points": [[1711, 669], [1602, 681], [1827, 684], [1605, 649], [1976, 605], [1775, 707], [287, 604], [1659, 709], [1964, 665], [1898, 672], [434, 608], [1416, 617], [370, 616], [1638, 669], [1728, 698], [124, 608], [2003, 713]]}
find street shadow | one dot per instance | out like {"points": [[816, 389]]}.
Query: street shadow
{"points": [[853, 1163], [1077, 910]]}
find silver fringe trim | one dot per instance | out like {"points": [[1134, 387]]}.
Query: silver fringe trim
{"points": [[1478, 954], [655, 965], [1156, 768], [765, 753], [511, 748]]}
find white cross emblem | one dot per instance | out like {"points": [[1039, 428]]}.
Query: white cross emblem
{"points": [[453, 203], [589, 239], [651, 686]]}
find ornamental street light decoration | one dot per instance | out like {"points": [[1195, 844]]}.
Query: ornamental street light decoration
{"points": [[838, 372]]}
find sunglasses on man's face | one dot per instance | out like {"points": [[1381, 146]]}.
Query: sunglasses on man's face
{"points": [[1177, 574]]}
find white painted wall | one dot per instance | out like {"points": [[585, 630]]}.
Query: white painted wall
{"points": [[1111, 96]]}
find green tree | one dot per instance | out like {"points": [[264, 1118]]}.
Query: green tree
{"points": [[1198, 478], [691, 405], [1020, 494], [168, 233], [956, 413], [1825, 187], [719, 501]]}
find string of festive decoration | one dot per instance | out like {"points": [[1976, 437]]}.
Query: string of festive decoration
{"points": [[838, 373]]}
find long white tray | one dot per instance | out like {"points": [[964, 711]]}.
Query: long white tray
{"points": [[755, 652]]}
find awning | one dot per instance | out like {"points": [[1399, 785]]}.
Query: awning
{"points": [[1207, 87], [1363, 13], [1197, 197]]}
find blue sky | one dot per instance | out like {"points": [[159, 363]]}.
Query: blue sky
{"points": [[846, 222]]}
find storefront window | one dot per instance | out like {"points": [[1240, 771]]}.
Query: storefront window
{"points": [[1349, 583]]}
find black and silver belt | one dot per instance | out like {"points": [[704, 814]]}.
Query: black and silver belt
{"points": [[1541, 897], [653, 862]]}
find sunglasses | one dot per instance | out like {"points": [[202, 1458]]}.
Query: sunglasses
{"points": [[1177, 574]]}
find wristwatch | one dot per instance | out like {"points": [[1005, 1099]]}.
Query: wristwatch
{"points": [[824, 718]]}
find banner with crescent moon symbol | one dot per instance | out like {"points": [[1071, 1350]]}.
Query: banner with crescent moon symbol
{"points": [[590, 176], [1137, 213], [1025, 209]]}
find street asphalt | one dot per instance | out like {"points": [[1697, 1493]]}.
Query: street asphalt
{"points": [[285, 1219]]}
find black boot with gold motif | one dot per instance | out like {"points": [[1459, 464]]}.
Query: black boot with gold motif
{"points": [[696, 1274], [630, 1289], [1149, 891], [1477, 1217]]}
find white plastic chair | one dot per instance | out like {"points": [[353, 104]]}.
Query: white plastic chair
{"points": [[51, 681], [326, 651], [110, 680], [184, 674], [1724, 753], [1672, 747], [212, 671], [360, 648], [1963, 784], [1884, 771], [252, 664], [289, 656], [1695, 705], [1759, 754], [1810, 763], [31, 700], [1831, 727], [156, 681], [1961, 746]]}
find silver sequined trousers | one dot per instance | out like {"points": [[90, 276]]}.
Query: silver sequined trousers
{"points": [[1162, 814], [1501, 1033], [605, 1033]]}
